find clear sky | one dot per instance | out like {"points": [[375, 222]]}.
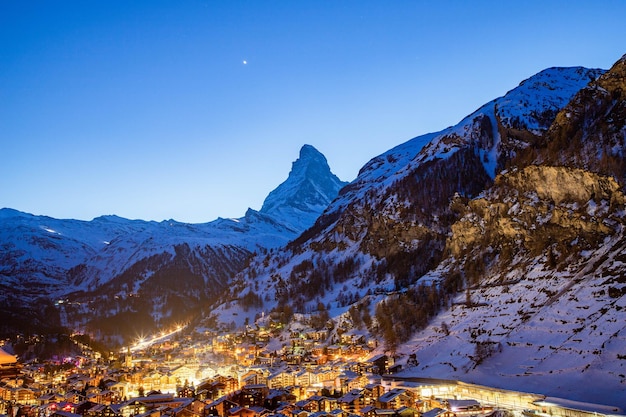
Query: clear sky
{"points": [[192, 109]]}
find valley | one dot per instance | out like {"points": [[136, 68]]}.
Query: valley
{"points": [[491, 252]]}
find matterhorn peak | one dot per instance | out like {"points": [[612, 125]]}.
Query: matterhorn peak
{"points": [[308, 152], [308, 190], [311, 164]]}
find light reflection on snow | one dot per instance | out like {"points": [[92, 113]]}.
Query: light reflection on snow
{"points": [[49, 230]]}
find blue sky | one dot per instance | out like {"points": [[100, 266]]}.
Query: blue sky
{"points": [[146, 109]]}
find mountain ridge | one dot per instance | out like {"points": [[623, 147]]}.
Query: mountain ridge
{"points": [[381, 258], [52, 258], [351, 217]]}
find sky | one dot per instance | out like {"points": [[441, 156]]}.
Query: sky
{"points": [[193, 109]]}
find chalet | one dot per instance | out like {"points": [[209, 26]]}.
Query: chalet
{"points": [[155, 380], [44, 409], [368, 411], [91, 392], [204, 372], [49, 398], [186, 391], [305, 378], [373, 392], [329, 374], [298, 413], [355, 381], [353, 366], [316, 335], [153, 396], [317, 403], [264, 359], [219, 407], [296, 357], [196, 407], [378, 364], [352, 401], [19, 394], [101, 410], [77, 382], [120, 389], [307, 405], [136, 376], [202, 394], [329, 404], [180, 411], [217, 387], [280, 379], [395, 399], [276, 397], [252, 395], [352, 339], [333, 352], [284, 410], [84, 407], [74, 396], [252, 378], [211, 390], [132, 408], [230, 384]]}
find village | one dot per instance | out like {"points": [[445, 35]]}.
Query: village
{"points": [[239, 375]]}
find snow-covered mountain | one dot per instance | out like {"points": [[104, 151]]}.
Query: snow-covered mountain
{"points": [[399, 208], [306, 193], [114, 258], [492, 250], [538, 260]]}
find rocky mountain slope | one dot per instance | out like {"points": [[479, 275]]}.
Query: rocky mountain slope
{"points": [[539, 260], [150, 271], [390, 225], [492, 249]]}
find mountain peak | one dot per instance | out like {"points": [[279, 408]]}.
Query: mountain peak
{"points": [[309, 159], [308, 190], [309, 151]]}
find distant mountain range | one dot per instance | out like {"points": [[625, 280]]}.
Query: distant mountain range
{"points": [[493, 250], [149, 273]]}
